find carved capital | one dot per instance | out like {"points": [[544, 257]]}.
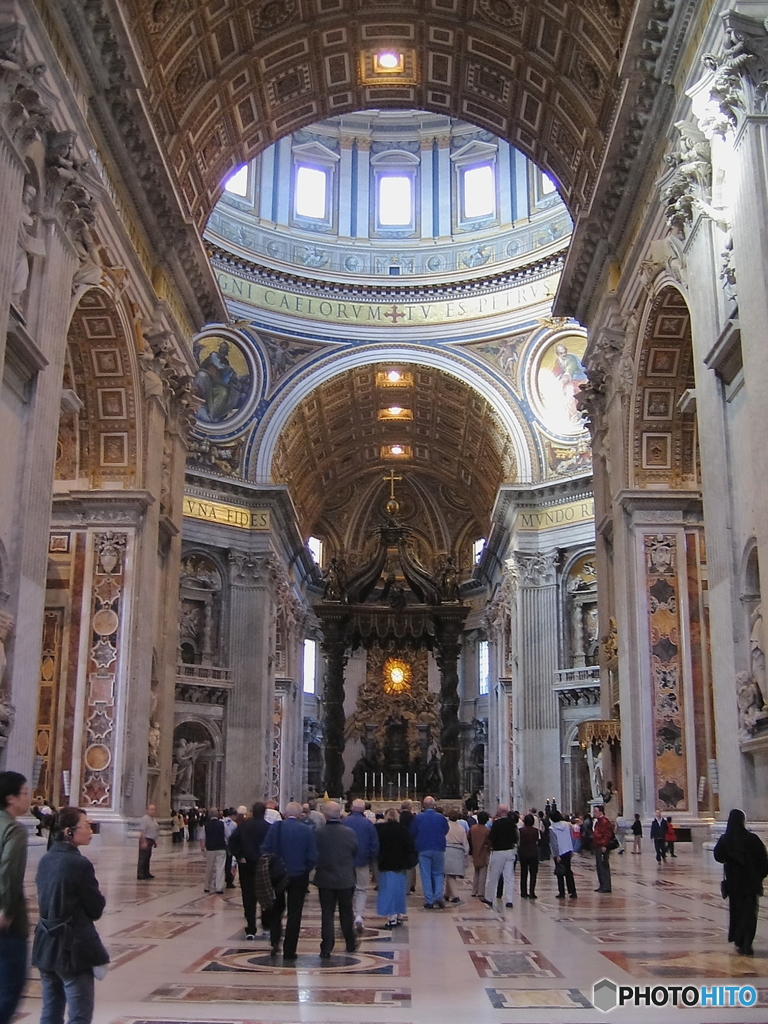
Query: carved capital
{"points": [[691, 164], [25, 104], [248, 569], [739, 71], [68, 195], [539, 570]]}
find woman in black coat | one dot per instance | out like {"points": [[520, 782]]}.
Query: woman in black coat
{"points": [[67, 947], [396, 855], [746, 864]]}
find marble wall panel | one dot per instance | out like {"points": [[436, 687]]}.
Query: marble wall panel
{"points": [[663, 597]]}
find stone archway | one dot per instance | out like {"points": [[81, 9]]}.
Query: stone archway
{"points": [[198, 760]]}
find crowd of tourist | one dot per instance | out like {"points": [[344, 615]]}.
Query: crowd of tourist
{"points": [[346, 853]]}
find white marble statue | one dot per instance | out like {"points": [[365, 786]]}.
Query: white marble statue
{"points": [[185, 754], [750, 703]]}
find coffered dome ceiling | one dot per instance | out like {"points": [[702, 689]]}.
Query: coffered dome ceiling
{"points": [[518, 217], [224, 79], [442, 440]]}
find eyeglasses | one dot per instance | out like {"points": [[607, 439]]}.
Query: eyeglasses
{"points": [[85, 824]]}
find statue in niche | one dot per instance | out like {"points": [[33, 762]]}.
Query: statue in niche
{"points": [[367, 764], [362, 773], [7, 716], [185, 755], [448, 580], [153, 737], [433, 775], [26, 244], [335, 582], [749, 699], [591, 630], [757, 647], [396, 757]]}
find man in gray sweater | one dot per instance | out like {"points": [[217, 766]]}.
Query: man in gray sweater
{"points": [[335, 878]]}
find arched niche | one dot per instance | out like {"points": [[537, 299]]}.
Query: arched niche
{"points": [[100, 423], [200, 593], [663, 424], [581, 627], [198, 759]]}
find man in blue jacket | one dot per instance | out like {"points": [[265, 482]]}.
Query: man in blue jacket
{"points": [[295, 843], [429, 830], [367, 852]]}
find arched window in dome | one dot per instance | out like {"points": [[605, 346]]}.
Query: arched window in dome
{"points": [[475, 186], [395, 200], [311, 192], [314, 186], [478, 191], [395, 176], [237, 182]]}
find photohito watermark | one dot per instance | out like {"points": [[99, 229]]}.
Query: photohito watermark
{"points": [[606, 995]]}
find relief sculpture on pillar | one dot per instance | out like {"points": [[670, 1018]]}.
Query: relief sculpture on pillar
{"points": [[7, 710]]}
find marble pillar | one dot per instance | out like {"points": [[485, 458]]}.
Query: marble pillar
{"points": [[250, 711], [48, 316], [447, 657], [535, 709], [334, 648]]}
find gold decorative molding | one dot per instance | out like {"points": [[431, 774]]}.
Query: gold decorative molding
{"points": [[601, 731], [356, 311], [224, 514], [581, 511]]}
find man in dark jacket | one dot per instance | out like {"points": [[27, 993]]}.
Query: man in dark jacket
{"points": [[14, 801], [245, 846], [295, 844], [659, 836], [367, 853], [335, 879], [213, 843]]}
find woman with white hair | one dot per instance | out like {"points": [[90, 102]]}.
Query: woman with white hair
{"points": [[396, 855]]}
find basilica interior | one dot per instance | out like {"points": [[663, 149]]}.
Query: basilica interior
{"points": [[381, 404]]}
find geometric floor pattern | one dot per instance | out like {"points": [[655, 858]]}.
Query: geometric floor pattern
{"points": [[179, 956]]}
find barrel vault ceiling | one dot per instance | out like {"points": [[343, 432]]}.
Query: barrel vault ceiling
{"points": [[336, 450]]}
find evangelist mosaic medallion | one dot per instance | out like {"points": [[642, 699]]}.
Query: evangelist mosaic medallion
{"points": [[224, 380], [556, 379]]}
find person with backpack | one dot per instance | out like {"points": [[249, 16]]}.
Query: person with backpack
{"points": [[295, 845]]}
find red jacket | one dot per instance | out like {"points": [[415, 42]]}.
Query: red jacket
{"points": [[602, 832]]}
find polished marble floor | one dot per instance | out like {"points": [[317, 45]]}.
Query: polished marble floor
{"points": [[179, 955]]}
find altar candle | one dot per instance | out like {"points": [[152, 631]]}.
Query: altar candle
{"points": [[406, 780], [366, 780], [398, 780]]}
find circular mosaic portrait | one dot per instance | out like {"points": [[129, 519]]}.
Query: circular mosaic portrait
{"points": [[224, 379], [557, 377]]}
